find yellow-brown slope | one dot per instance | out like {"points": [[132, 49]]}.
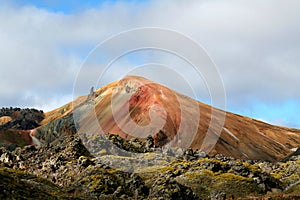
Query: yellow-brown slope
{"points": [[241, 137]]}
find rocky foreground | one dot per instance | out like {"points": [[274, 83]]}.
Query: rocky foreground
{"points": [[65, 169]]}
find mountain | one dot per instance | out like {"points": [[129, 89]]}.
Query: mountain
{"points": [[16, 125], [48, 155], [130, 103]]}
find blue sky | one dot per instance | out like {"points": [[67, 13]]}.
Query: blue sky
{"points": [[69, 7], [282, 113], [256, 47], [63, 6]]}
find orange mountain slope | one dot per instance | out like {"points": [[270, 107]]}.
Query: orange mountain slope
{"points": [[137, 107]]}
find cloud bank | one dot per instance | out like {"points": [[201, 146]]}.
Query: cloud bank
{"points": [[255, 45]]}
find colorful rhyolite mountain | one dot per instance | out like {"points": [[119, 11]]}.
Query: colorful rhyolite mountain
{"points": [[135, 99], [240, 137]]}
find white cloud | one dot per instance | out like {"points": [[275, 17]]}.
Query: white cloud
{"points": [[255, 44]]}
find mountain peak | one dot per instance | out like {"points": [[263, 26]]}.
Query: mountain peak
{"points": [[137, 107]]}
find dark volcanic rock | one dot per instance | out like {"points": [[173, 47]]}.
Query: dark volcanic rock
{"points": [[293, 156], [54, 130], [64, 169], [22, 119], [166, 187], [15, 184]]}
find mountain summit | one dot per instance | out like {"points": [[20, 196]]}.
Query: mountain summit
{"points": [[135, 107]]}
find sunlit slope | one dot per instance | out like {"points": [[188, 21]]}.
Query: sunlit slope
{"points": [[137, 107]]}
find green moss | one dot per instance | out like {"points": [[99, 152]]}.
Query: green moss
{"points": [[102, 152], [290, 179], [70, 162], [148, 156], [16, 184], [232, 177], [277, 174], [294, 189], [202, 182], [252, 168], [211, 161], [97, 185], [101, 181], [196, 174], [13, 172], [150, 173], [286, 174], [183, 164]]}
